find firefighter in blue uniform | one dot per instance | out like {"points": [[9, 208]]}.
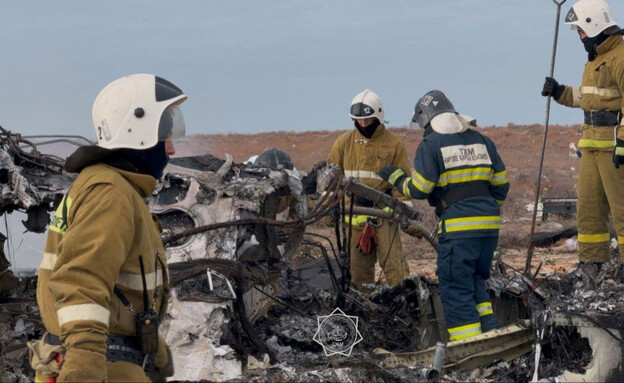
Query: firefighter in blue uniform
{"points": [[458, 171]]}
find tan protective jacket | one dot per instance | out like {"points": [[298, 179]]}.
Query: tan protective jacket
{"points": [[601, 90], [362, 158], [95, 249]]}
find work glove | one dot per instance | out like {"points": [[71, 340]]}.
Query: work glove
{"points": [[82, 365], [391, 174], [412, 230], [368, 239], [618, 153], [552, 88]]}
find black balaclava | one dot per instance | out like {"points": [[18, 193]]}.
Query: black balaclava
{"points": [[150, 161], [369, 130], [591, 43]]}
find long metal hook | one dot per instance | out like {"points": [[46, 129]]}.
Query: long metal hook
{"points": [[527, 267]]}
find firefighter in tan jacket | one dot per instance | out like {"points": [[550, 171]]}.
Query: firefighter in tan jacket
{"points": [[103, 280], [361, 153], [600, 96]]}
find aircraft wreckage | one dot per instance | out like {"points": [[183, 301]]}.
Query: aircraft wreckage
{"points": [[245, 305]]}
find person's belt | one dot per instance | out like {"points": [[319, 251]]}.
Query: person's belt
{"points": [[119, 348], [479, 189], [602, 118]]}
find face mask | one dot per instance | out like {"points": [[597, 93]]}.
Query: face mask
{"points": [[591, 43], [369, 130]]}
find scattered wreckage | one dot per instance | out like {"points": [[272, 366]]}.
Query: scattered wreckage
{"points": [[251, 277]]}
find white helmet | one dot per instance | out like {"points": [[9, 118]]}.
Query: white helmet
{"points": [[367, 104], [593, 17], [137, 111]]}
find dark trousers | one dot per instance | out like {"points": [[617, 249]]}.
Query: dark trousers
{"points": [[463, 266]]}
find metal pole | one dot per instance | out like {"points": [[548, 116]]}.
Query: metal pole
{"points": [[527, 268]]}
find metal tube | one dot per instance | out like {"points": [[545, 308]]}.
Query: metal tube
{"points": [[527, 268]]}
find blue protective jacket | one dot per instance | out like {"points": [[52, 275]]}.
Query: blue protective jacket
{"points": [[447, 161]]}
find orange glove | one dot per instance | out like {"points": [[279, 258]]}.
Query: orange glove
{"points": [[368, 239]]}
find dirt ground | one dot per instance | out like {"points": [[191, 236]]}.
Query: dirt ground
{"points": [[519, 147]]}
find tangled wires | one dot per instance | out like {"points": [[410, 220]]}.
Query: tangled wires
{"points": [[17, 146]]}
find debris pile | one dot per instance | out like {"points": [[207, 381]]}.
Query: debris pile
{"points": [[244, 307]]}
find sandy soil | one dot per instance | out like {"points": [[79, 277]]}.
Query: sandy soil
{"points": [[519, 146]]}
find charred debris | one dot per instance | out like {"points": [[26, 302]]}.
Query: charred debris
{"points": [[250, 276]]}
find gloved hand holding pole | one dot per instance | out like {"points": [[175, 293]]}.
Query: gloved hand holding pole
{"points": [[554, 89]]}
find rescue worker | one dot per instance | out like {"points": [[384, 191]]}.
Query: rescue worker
{"points": [[600, 96], [361, 153], [103, 281], [459, 171]]}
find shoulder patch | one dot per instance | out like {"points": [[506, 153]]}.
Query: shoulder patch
{"points": [[465, 155]]}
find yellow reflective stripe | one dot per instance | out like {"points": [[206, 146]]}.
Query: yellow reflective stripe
{"points": [[620, 240], [485, 308], [602, 92], [395, 176], [603, 144], [83, 311], [500, 202], [356, 219], [362, 174], [499, 178], [465, 175], [619, 151], [48, 261], [576, 96], [593, 238], [466, 331], [388, 209], [134, 282], [472, 223], [421, 183], [406, 191]]}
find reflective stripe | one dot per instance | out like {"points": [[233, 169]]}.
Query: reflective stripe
{"points": [[472, 223], [356, 219], [48, 261], [620, 240], [500, 202], [464, 175], [499, 178], [84, 311], [576, 96], [395, 175], [585, 143], [485, 308], [134, 282], [602, 92], [421, 183], [619, 151], [466, 331], [593, 238], [362, 174]]}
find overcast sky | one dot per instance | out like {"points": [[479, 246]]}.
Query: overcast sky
{"points": [[255, 66]]}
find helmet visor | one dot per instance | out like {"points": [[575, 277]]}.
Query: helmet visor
{"points": [[360, 111], [171, 124]]}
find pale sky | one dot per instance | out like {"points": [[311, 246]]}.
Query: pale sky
{"points": [[255, 66]]}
